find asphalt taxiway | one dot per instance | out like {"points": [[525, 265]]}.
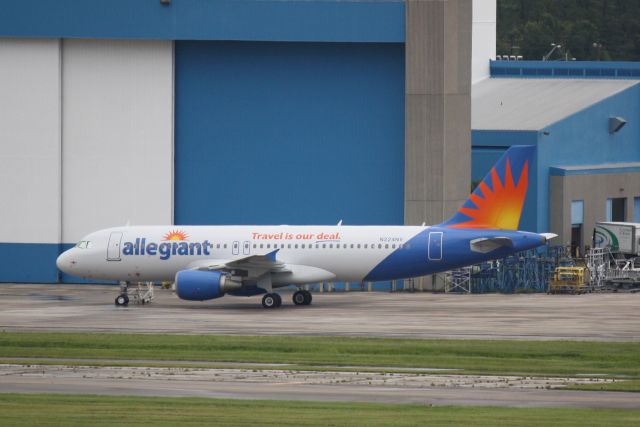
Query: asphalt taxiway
{"points": [[614, 317], [434, 389]]}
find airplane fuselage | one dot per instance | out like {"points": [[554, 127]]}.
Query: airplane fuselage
{"points": [[207, 262], [310, 253]]}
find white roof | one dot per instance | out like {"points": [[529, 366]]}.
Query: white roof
{"points": [[531, 104], [601, 166]]}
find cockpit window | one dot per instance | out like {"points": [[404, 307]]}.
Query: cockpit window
{"points": [[84, 244]]}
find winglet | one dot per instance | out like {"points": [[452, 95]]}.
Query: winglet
{"points": [[497, 201], [272, 255]]}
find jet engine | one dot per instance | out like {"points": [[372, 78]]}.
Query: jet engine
{"points": [[197, 285]]}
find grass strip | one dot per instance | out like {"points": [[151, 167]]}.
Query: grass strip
{"points": [[73, 410], [560, 358]]}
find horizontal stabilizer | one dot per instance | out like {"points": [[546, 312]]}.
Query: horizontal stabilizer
{"points": [[548, 236], [485, 245]]}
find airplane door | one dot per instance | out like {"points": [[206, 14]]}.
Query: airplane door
{"points": [[435, 246], [113, 249], [246, 248], [235, 248]]}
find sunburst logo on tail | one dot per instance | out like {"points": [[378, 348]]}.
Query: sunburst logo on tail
{"points": [[498, 208], [176, 235], [498, 200]]}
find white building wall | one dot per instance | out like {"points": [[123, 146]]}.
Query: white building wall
{"points": [[117, 134], [483, 38], [29, 141]]}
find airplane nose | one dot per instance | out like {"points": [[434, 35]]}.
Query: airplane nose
{"points": [[64, 262]]}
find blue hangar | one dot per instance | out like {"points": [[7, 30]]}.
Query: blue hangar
{"points": [[299, 112], [228, 112], [584, 119]]}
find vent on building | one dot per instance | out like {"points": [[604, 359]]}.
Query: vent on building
{"points": [[616, 123]]}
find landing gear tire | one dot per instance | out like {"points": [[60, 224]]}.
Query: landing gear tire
{"points": [[307, 298], [302, 297], [271, 301], [122, 300], [299, 298]]}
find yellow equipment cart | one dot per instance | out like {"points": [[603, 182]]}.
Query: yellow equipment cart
{"points": [[569, 280]]}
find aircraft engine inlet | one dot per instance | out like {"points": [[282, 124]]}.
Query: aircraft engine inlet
{"points": [[197, 285]]}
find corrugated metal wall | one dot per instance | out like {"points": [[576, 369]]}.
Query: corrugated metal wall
{"points": [[295, 133], [117, 134], [29, 159], [87, 144]]}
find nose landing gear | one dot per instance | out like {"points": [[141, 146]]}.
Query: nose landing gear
{"points": [[142, 294]]}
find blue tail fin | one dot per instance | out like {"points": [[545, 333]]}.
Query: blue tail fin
{"points": [[497, 201]]}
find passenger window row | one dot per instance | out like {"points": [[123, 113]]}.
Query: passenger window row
{"points": [[330, 246]]}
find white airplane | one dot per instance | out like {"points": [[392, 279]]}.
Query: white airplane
{"points": [[207, 262]]}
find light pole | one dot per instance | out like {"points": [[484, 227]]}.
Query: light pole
{"points": [[598, 46], [553, 49]]}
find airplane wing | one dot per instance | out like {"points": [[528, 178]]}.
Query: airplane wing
{"points": [[485, 245], [255, 265]]}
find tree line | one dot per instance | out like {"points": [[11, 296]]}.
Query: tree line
{"points": [[607, 30]]}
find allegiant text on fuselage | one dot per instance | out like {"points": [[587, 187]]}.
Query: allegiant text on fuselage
{"points": [[166, 249]]}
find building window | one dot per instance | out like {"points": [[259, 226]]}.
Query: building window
{"points": [[636, 209], [616, 208], [577, 212], [577, 219]]}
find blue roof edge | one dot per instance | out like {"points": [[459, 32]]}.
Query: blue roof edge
{"points": [[374, 21], [566, 69]]}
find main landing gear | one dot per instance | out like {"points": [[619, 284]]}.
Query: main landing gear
{"points": [[273, 300], [302, 297]]}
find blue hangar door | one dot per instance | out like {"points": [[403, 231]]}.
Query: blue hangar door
{"points": [[289, 133]]}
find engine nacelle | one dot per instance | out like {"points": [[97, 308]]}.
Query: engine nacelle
{"points": [[197, 285]]}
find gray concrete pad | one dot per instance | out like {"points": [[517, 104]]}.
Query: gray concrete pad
{"points": [[418, 315]]}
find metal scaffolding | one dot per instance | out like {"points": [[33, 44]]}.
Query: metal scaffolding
{"points": [[458, 280], [527, 271]]}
